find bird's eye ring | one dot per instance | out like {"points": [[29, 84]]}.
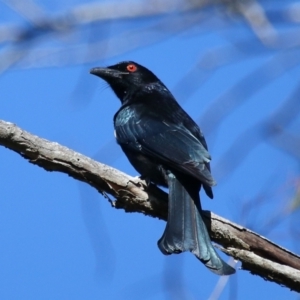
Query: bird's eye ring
{"points": [[131, 68]]}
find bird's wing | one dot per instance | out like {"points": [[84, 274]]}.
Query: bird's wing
{"points": [[171, 143]]}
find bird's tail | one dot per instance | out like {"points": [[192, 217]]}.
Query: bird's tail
{"points": [[186, 231]]}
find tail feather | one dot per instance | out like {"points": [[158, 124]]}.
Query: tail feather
{"points": [[186, 230]]}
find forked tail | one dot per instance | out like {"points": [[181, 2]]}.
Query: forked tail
{"points": [[185, 229]]}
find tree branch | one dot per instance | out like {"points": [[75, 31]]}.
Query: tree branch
{"points": [[256, 253]]}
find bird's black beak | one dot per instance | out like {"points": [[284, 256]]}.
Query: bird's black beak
{"points": [[106, 73]]}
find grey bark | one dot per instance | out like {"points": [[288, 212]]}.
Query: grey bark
{"points": [[257, 254]]}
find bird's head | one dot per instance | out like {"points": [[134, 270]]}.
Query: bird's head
{"points": [[125, 77]]}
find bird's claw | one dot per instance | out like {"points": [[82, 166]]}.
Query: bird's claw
{"points": [[141, 182]]}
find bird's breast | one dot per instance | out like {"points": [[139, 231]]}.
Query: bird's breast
{"points": [[123, 116]]}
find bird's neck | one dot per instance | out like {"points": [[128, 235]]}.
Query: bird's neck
{"points": [[143, 93]]}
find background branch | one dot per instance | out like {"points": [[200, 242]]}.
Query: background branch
{"points": [[256, 253]]}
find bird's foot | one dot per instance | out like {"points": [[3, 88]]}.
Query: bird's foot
{"points": [[140, 182]]}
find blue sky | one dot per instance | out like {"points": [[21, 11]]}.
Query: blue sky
{"points": [[60, 239]]}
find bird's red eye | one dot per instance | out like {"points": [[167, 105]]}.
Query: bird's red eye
{"points": [[131, 68]]}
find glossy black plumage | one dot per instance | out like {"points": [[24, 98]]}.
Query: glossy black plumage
{"points": [[167, 147]]}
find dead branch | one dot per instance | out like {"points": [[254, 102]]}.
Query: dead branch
{"points": [[257, 254]]}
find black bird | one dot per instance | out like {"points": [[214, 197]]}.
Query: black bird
{"points": [[166, 147]]}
